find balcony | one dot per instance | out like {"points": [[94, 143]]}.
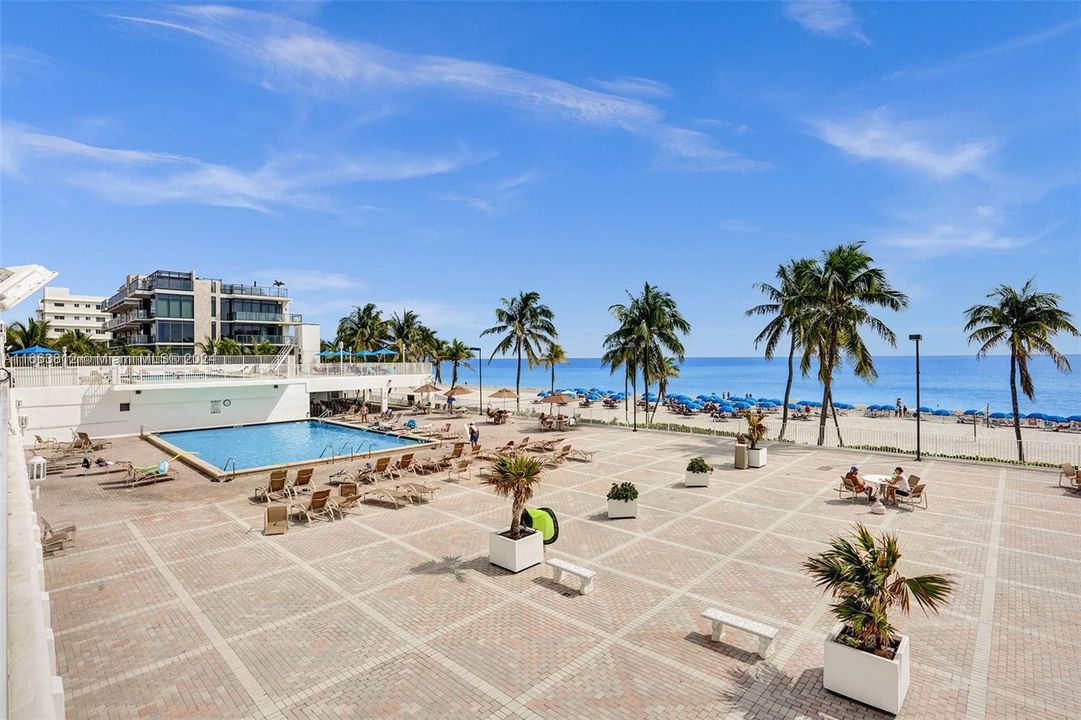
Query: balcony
{"points": [[272, 339], [136, 286], [136, 316], [136, 339], [286, 318], [256, 290]]}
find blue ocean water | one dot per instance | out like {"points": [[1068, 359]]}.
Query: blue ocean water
{"points": [[277, 443], [950, 382]]}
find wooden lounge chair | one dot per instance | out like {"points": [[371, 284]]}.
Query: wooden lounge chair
{"points": [[394, 497], [302, 483], [581, 455], [395, 470], [350, 498], [446, 434], [319, 506], [276, 520], [1072, 477], [456, 470], [419, 490], [916, 498], [370, 475], [85, 441], [275, 489], [56, 539], [558, 459], [41, 443]]}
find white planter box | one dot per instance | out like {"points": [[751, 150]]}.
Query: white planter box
{"points": [[756, 457], [691, 479], [515, 555], [862, 676], [622, 509]]}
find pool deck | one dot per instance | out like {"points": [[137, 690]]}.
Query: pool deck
{"points": [[172, 603]]}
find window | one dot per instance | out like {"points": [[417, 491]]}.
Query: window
{"points": [[175, 332], [98, 306], [213, 307], [125, 407], [175, 306], [58, 317], [58, 304]]}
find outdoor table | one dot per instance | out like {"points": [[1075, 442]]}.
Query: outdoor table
{"points": [[880, 482]]}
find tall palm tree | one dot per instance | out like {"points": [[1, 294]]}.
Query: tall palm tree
{"points": [[621, 351], [1026, 321], [665, 368], [362, 330], [20, 336], [555, 355], [404, 332], [262, 347], [437, 354], [527, 329], [458, 355], [207, 346], [788, 304], [843, 286], [654, 321], [77, 342], [229, 346]]}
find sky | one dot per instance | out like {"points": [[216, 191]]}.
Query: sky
{"points": [[438, 157]]}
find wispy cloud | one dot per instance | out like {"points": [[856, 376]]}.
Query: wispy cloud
{"points": [[832, 18], [635, 87], [490, 198], [877, 136], [290, 55], [17, 62], [142, 177], [692, 150], [964, 231]]}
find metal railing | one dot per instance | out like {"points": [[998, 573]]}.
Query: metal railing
{"points": [[128, 317], [238, 289], [290, 318], [273, 339]]}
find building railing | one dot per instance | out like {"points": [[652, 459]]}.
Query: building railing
{"points": [[264, 291], [273, 339], [136, 339], [127, 318], [291, 318], [147, 284], [353, 369]]}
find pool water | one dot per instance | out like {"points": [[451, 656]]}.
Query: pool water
{"points": [[252, 446]]}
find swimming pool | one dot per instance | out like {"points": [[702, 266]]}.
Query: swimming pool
{"points": [[273, 444]]}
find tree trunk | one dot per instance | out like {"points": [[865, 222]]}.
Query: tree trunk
{"points": [[1016, 415], [516, 522], [626, 390], [518, 382], [837, 425], [634, 394], [645, 375], [553, 377], [822, 415], [454, 374], [787, 387]]}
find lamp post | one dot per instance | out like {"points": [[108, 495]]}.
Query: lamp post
{"points": [[341, 358], [480, 376], [916, 338]]}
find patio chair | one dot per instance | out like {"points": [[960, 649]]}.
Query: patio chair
{"points": [[404, 464], [558, 459], [456, 470], [581, 455], [916, 499], [140, 476], [1070, 474], [56, 538], [349, 499], [419, 490], [394, 497], [275, 489], [847, 486], [319, 506], [454, 454], [86, 442], [276, 520], [303, 481], [41, 443]]}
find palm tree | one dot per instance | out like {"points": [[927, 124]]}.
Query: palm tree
{"points": [[458, 355], [208, 346], [655, 323], [77, 342], [437, 354], [527, 329], [841, 286], [555, 355], [621, 351], [1026, 321], [362, 330], [665, 368], [515, 476], [262, 347], [403, 332], [229, 346], [863, 576], [20, 336], [788, 304]]}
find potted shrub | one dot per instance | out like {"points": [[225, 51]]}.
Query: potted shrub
{"points": [[516, 548], [623, 501], [756, 431], [698, 472], [863, 657]]}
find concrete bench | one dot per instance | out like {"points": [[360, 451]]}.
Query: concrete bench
{"points": [[722, 619], [562, 566]]}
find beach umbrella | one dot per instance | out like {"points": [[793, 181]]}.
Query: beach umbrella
{"points": [[504, 394], [35, 350], [974, 412], [557, 398], [1055, 418], [543, 393], [998, 415], [384, 351], [1074, 418], [1036, 415], [364, 353], [455, 391], [426, 388], [740, 405], [941, 412], [925, 409]]}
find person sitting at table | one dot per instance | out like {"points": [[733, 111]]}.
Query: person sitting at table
{"points": [[545, 423], [898, 485], [853, 475]]}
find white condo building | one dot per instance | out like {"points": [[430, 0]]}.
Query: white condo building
{"points": [[65, 311]]}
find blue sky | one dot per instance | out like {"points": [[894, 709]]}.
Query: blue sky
{"points": [[438, 157]]}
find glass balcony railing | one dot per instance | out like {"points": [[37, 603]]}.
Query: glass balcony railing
{"points": [[264, 317], [260, 290], [272, 339], [126, 318], [153, 282], [136, 339]]}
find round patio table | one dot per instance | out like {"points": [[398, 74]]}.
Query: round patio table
{"points": [[880, 482]]}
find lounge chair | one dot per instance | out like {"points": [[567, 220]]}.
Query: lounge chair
{"points": [[275, 489], [404, 464], [1072, 477], [319, 506], [419, 490], [916, 498], [140, 476], [558, 459], [41, 443], [349, 499], [84, 441], [370, 475], [395, 497], [56, 539], [276, 520], [458, 469], [581, 455], [302, 482]]}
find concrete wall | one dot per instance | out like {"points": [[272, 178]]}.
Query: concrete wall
{"points": [[202, 309], [308, 342], [55, 412]]}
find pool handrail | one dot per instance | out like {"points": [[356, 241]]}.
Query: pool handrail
{"points": [[225, 468]]}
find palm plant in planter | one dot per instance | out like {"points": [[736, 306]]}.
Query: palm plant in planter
{"points": [[698, 472], [516, 548], [864, 658], [623, 501], [755, 433]]}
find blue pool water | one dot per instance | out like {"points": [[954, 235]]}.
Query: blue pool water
{"points": [[278, 443]]}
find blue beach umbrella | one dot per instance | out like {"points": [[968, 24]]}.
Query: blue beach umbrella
{"points": [[974, 412], [925, 409], [941, 413], [1036, 415], [998, 415], [1074, 418], [35, 350], [1055, 418]]}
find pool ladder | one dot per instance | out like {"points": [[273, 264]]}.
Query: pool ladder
{"points": [[330, 447], [355, 450], [225, 468]]}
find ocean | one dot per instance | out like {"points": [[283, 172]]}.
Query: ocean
{"points": [[950, 382]]}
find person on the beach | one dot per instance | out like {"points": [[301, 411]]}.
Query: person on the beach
{"points": [[898, 407], [474, 434], [854, 475], [898, 485]]}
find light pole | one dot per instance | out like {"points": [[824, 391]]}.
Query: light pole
{"points": [[480, 378], [917, 338]]}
